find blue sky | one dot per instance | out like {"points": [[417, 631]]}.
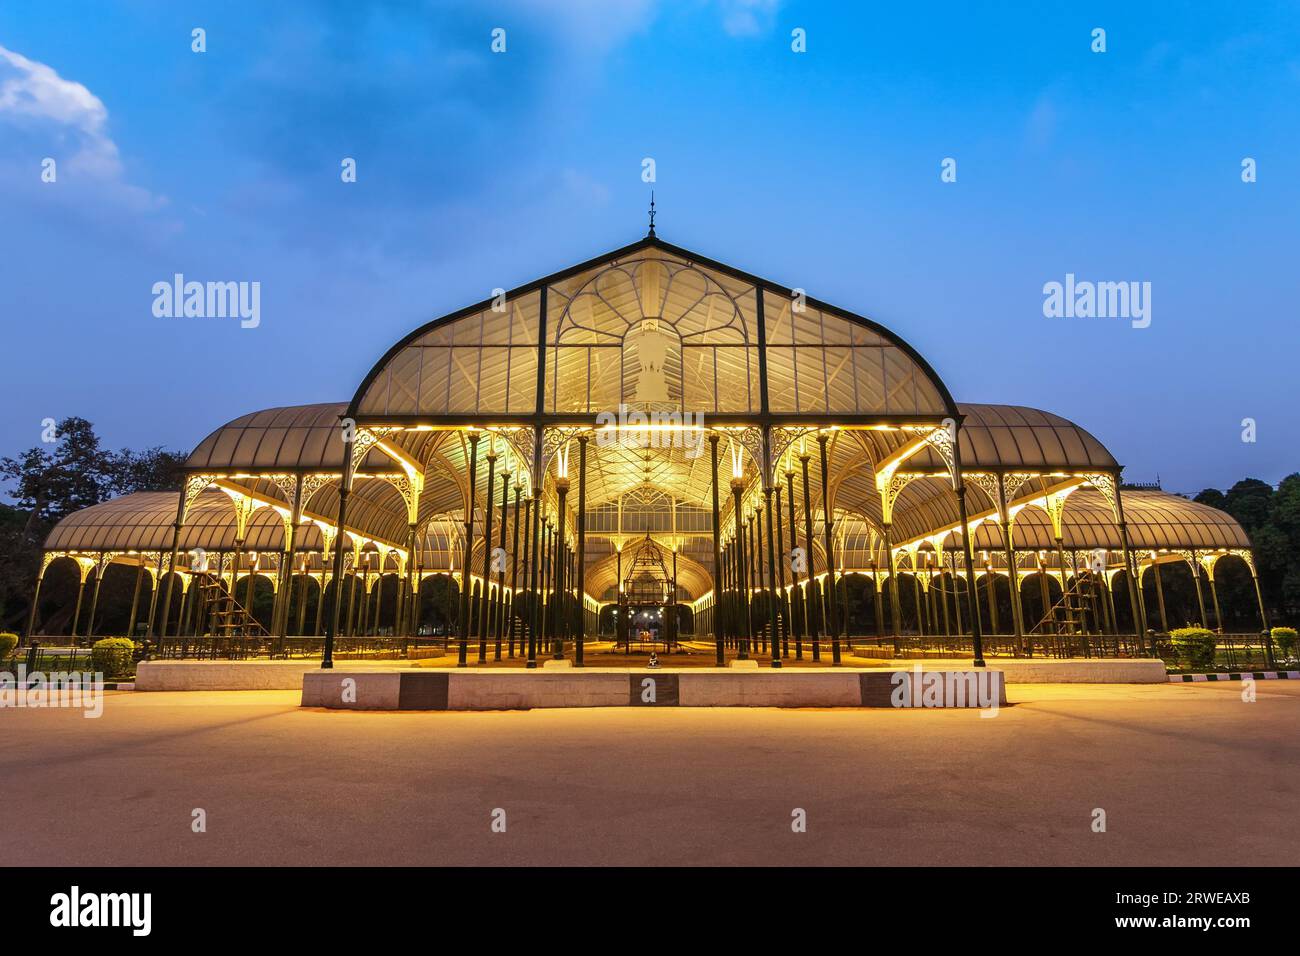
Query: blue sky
{"points": [[818, 170]]}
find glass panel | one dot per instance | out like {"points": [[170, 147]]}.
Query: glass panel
{"points": [[405, 382], [841, 384], [781, 379], [493, 378], [463, 396], [811, 372], [698, 380], [434, 379]]}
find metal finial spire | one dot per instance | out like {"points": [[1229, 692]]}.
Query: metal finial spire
{"points": [[652, 212]]}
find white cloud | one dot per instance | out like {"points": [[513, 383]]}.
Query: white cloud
{"points": [[35, 93], [73, 122], [747, 18], [597, 26]]}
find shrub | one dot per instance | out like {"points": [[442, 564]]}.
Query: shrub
{"points": [[1283, 637], [9, 641], [1194, 646], [112, 656]]}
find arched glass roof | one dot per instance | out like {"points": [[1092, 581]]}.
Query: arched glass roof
{"points": [[656, 326]]}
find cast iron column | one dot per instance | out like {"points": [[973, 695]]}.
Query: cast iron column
{"points": [[743, 630], [499, 618], [533, 610], [771, 582], [794, 575], [514, 575], [828, 524], [462, 659], [581, 565], [484, 604], [561, 561], [977, 638], [717, 555], [780, 570], [812, 623]]}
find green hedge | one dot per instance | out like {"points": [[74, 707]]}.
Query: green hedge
{"points": [[9, 641], [1194, 646], [113, 656], [1283, 637]]}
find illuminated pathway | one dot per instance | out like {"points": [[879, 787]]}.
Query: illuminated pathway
{"points": [[1186, 774]]}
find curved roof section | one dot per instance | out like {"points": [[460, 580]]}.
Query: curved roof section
{"points": [[291, 438], [1156, 520], [143, 522], [1019, 438], [483, 359], [1014, 436]]}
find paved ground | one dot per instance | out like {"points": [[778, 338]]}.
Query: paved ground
{"points": [[1187, 774]]}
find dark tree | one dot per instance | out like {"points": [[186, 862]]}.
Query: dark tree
{"points": [[1272, 519], [48, 483]]}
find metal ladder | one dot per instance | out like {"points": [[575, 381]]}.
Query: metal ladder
{"points": [[227, 617]]}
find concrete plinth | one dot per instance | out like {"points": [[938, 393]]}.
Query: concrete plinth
{"points": [[1067, 670], [234, 675], [501, 689]]}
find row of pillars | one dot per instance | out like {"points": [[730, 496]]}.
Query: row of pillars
{"points": [[537, 611], [742, 571]]}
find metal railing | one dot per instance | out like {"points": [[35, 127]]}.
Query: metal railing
{"points": [[1233, 652], [47, 660], [921, 646], [247, 647]]}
